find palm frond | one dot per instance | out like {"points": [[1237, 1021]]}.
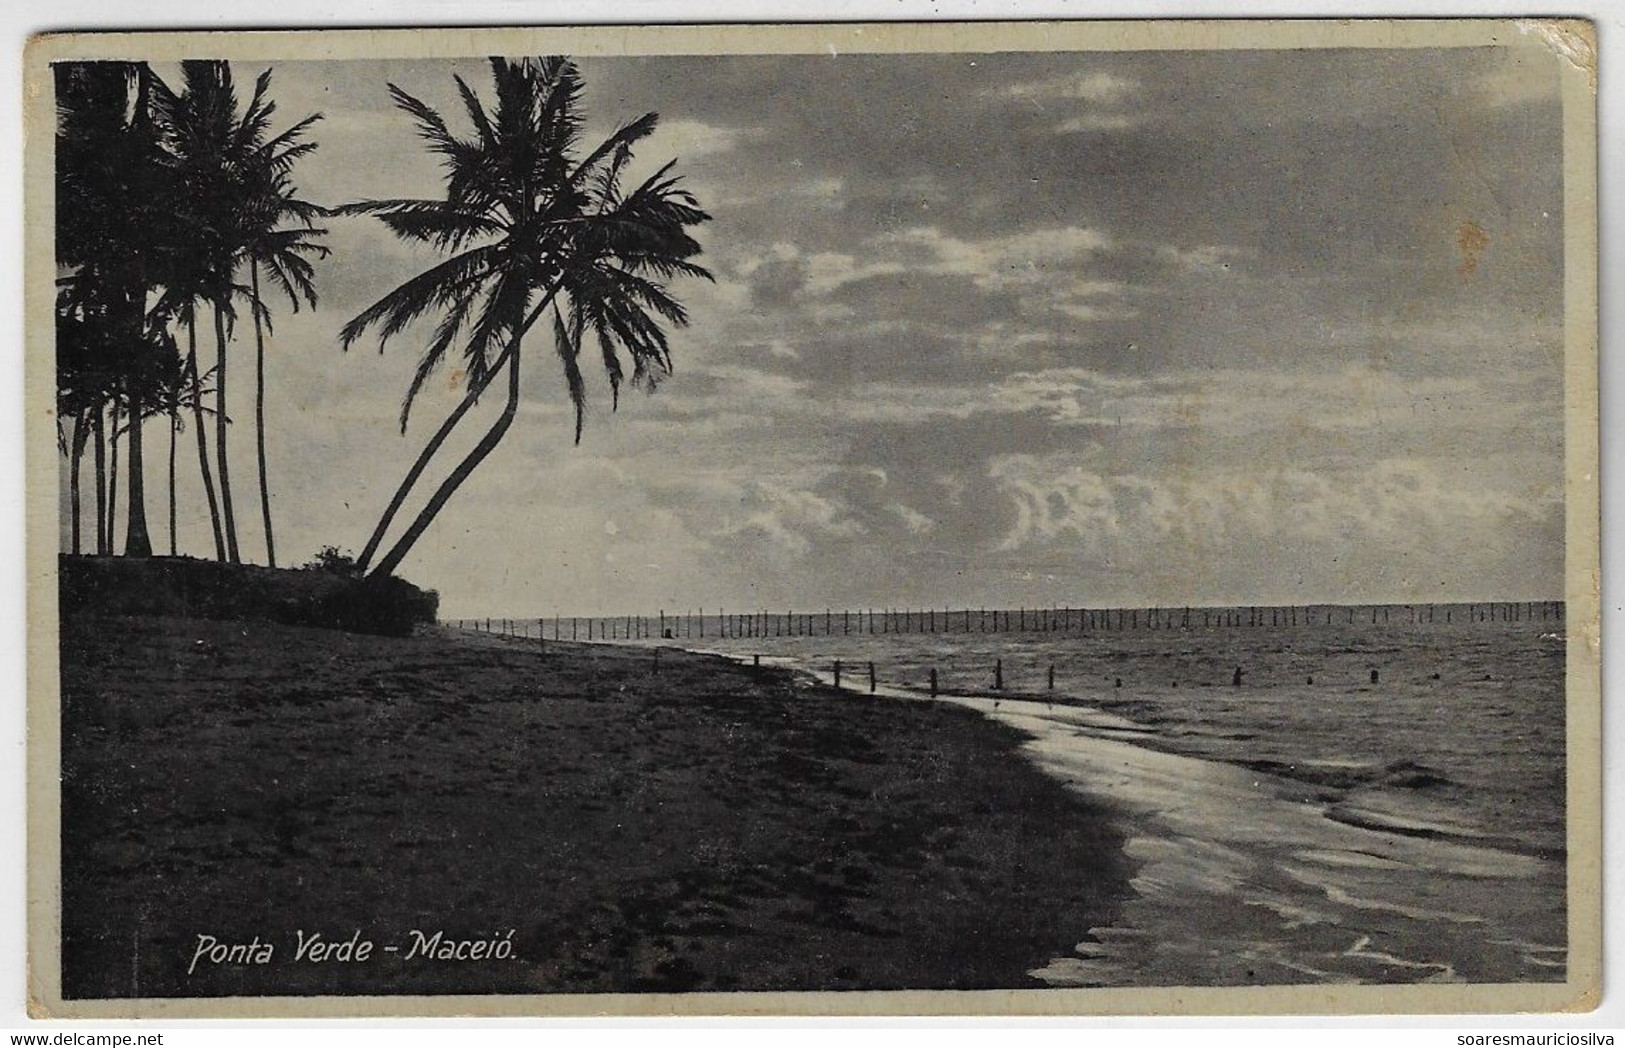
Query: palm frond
{"points": [[445, 334], [476, 113], [436, 287], [285, 265], [567, 341], [497, 322], [438, 222], [431, 126]]}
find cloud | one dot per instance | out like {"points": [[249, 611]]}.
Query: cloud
{"points": [[789, 520], [1400, 505], [1091, 97], [692, 139], [776, 280], [1091, 123], [913, 519], [1207, 259], [1087, 87]]}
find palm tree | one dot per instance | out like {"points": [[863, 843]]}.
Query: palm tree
{"points": [[113, 431], [199, 125], [83, 388], [524, 217], [284, 253], [112, 212], [177, 393], [236, 194]]}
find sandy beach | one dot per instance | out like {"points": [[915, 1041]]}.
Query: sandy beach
{"points": [[694, 825]]}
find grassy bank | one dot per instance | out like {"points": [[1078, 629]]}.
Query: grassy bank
{"points": [[709, 826]]}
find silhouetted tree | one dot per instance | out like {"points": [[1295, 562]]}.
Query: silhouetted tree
{"points": [[527, 218]]}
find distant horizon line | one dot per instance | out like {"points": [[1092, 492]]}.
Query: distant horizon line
{"points": [[711, 612]]}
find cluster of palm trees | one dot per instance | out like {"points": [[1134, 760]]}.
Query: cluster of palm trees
{"points": [[165, 201], [534, 226]]}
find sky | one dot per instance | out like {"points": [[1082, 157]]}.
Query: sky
{"points": [[989, 330]]}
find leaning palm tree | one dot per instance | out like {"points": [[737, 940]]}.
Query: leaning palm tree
{"points": [[531, 225]]}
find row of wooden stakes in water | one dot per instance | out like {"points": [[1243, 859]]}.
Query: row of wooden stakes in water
{"points": [[688, 626], [932, 679]]}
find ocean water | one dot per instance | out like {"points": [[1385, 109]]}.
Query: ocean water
{"points": [[1374, 801]]}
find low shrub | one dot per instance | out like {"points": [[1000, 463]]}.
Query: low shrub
{"points": [[325, 593]]}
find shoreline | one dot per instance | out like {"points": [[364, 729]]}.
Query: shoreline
{"points": [[1242, 870], [710, 827]]}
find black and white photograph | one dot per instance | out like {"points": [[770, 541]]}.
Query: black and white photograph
{"points": [[801, 519]]}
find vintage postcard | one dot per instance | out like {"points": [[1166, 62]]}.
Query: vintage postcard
{"points": [[842, 519]]}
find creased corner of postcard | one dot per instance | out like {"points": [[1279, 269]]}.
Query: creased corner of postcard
{"points": [[1572, 39]]}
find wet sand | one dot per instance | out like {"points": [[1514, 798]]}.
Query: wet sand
{"points": [[705, 826], [1247, 878]]}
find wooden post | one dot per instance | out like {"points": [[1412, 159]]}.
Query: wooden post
{"points": [[837, 673], [1373, 676], [998, 674], [1052, 677], [871, 678], [756, 660]]}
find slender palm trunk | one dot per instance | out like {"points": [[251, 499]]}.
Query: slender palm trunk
{"points": [[76, 452], [99, 433], [137, 543], [412, 475], [440, 435], [174, 424], [202, 443], [259, 412], [221, 457], [112, 483], [449, 486]]}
